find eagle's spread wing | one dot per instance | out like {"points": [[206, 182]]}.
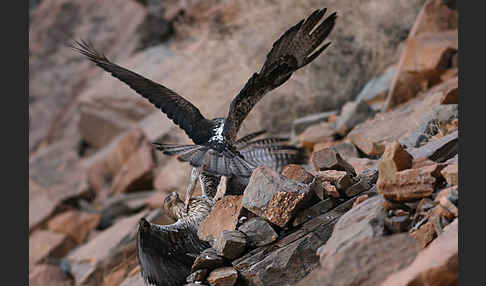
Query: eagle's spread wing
{"points": [[181, 111], [295, 49], [167, 252]]}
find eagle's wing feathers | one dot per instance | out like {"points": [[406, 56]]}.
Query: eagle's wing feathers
{"points": [[293, 50], [180, 110]]}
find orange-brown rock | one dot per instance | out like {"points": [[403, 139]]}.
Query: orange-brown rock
{"points": [[359, 200], [451, 96], [447, 208], [124, 165], [330, 190], [330, 159], [340, 179], [75, 224], [435, 16], [224, 276], [438, 264], [223, 216], [407, 185], [425, 234], [450, 174], [394, 159], [449, 74], [45, 274], [275, 197], [360, 164], [297, 173], [323, 132], [44, 243]]}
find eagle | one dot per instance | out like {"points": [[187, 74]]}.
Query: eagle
{"points": [[167, 252], [215, 149]]}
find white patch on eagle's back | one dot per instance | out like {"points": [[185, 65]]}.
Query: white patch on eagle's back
{"points": [[218, 133]]}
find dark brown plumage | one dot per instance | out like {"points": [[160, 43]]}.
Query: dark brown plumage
{"points": [[167, 252], [214, 150]]}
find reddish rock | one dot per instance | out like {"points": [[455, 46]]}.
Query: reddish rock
{"points": [[44, 243], [126, 164], [394, 159], [275, 197], [317, 133], [359, 200], [223, 216], [438, 264], [450, 73], [330, 190], [451, 96], [450, 174], [425, 234], [55, 175], [198, 275], [297, 173], [330, 159], [443, 200], [365, 263], [46, 274], [397, 223], [364, 221], [225, 276], [93, 260], [340, 179], [75, 224], [408, 185], [435, 16]]}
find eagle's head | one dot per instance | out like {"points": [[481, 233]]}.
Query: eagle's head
{"points": [[173, 205]]}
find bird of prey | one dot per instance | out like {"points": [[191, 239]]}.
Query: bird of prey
{"points": [[214, 150], [167, 252]]}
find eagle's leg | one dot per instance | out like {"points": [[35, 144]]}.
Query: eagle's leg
{"points": [[192, 184], [209, 184]]}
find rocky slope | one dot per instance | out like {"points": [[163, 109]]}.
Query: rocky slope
{"points": [[377, 113]]}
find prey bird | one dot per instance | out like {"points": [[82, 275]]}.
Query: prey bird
{"points": [[214, 150]]}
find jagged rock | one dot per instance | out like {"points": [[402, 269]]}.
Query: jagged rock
{"points": [[225, 276], [347, 150], [89, 261], [450, 174], [275, 197], [313, 211], [438, 150], [46, 274], [124, 165], [223, 216], [408, 185], [366, 220], [366, 262], [372, 135], [443, 199], [230, 244], [396, 224], [438, 264], [394, 159], [300, 124], [322, 132], [45, 243], [340, 179], [75, 224], [258, 231], [330, 190], [55, 175], [425, 233], [330, 159], [435, 16], [360, 164], [353, 113], [198, 275], [451, 96], [208, 259], [297, 173]]}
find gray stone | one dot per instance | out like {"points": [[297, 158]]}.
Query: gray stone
{"points": [[231, 244], [314, 211], [275, 197], [300, 124], [330, 159], [377, 86], [208, 259], [198, 275], [346, 150], [352, 114], [258, 231]]}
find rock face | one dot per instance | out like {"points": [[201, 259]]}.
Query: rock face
{"points": [[297, 173], [225, 276], [258, 231], [366, 262], [274, 197], [231, 244], [438, 264], [408, 185], [330, 159], [208, 259], [75, 224]]}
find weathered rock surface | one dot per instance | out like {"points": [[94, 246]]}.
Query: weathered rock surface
{"points": [[313, 211], [438, 264], [225, 276], [340, 179], [322, 132], [43, 273], [75, 224], [258, 231], [361, 164], [223, 216], [364, 221], [275, 197], [208, 259], [353, 113], [89, 262], [198, 275], [124, 165], [450, 174], [330, 159], [45, 243], [297, 173], [394, 159], [230, 244], [366, 262]]}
